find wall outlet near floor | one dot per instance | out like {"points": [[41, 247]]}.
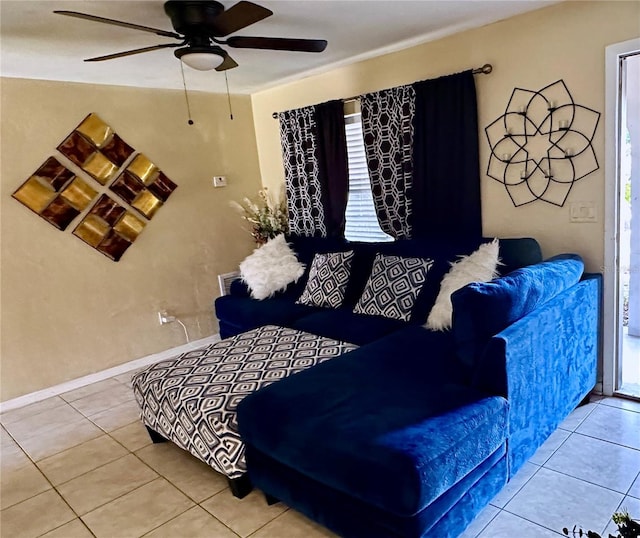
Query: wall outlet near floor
{"points": [[164, 317], [219, 181], [583, 212]]}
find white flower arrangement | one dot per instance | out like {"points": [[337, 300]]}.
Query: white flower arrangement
{"points": [[267, 217]]}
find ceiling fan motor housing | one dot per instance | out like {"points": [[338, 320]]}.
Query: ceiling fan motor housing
{"points": [[193, 18]]}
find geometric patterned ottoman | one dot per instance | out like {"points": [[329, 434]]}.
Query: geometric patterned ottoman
{"points": [[191, 399]]}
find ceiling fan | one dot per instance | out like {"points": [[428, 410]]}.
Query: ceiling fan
{"points": [[199, 25]]}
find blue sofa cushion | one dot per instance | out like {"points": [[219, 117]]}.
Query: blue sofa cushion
{"points": [[383, 424], [483, 309], [245, 313], [342, 324]]}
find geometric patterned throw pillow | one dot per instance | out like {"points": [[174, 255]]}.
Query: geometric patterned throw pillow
{"points": [[328, 278], [393, 286]]}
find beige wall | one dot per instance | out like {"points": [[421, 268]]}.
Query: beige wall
{"points": [[565, 41], [67, 310]]}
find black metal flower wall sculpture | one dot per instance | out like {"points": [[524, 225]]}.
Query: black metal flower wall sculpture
{"points": [[542, 145]]}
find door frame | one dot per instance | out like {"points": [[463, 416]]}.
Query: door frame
{"points": [[612, 329]]}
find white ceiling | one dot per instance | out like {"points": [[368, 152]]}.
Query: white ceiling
{"points": [[37, 44]]}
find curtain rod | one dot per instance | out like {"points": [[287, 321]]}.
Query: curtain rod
{"points": [[484, 70]]}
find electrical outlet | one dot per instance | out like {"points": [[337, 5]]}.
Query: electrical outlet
{"points": [[164, 317], [219, 181]]}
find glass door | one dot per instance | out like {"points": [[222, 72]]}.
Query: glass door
{"points": [[629, 225], [621, 298]]}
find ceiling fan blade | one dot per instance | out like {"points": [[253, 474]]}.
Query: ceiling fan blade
{"points": [[239, 16], [229, 63], [114, 22], [277, 43], [132, 52]]}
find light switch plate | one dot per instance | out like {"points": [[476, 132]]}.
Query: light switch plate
{"points": [[583, 212]]}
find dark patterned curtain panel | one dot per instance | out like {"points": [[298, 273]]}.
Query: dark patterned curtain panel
{"points": [[298, 135], [387, 122], [334, 165], [446, 167], [314, 150]]}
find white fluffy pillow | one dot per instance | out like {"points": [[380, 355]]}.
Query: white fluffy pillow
{"points": [[270, 268], [479, 266]]}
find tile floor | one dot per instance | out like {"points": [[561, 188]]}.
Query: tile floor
{"points": [[81, 465]]}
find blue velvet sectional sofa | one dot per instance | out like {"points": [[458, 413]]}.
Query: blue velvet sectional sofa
{"points": [[414, 432]]}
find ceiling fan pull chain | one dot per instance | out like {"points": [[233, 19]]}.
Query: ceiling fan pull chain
{"points": [[228, 95], [186, 96]]}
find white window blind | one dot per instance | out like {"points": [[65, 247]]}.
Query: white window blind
{"points": [[361, 221]]}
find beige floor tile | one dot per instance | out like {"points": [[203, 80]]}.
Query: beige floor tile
{"points": [[193, 477], [243, 516], [5, 438], [88, 390], [31, 410], [12, 456], [101, 401], [63, 437], [117, 417], [73, 529], [35, 516], [44, 423], [133, 436], [105, 483], [138, 512], [292, 524], [20, 484], [194, 523], [81, 459]]}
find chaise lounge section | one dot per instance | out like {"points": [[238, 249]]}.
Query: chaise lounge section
{"points": [[413, 434]]}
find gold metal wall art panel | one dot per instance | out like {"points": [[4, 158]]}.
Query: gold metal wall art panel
{"points": [[35, 195], [92, 230], [147, 204], [60, 213], [117, 150], [109, 228], [96, 130], [129, 227], [79, 194], [100, 168], [162, 187], [41, 193], [113, 246], [76, 148], [54, 173], [127, 186], [143, 169], [108, 210]]}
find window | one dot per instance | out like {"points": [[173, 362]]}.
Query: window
{"points": [[361, 221]]}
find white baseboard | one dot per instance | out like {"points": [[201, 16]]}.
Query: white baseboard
{"points": [[56, 390]]}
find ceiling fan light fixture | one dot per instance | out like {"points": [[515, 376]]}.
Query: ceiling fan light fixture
{"points": [[201, 58]]}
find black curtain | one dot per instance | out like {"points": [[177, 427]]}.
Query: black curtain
{"points": [[446, 164], [333, 163]]}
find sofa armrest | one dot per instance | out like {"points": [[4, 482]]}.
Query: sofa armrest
{"points": [[239, 289], [544, 364]]}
